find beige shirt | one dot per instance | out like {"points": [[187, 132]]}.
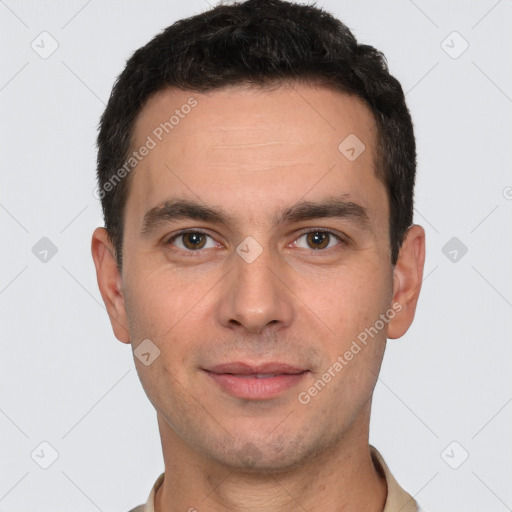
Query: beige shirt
{"points": [[397, 501]]}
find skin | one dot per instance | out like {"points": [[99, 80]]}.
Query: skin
{"points": [[253, 153]]}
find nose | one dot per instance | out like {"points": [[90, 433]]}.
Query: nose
{"points": [[255, 296]]}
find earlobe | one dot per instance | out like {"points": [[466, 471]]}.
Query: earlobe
{"points": [[407, 280], [110, 283]]}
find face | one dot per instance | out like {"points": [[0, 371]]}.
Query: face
{"points": [[256, 255]]}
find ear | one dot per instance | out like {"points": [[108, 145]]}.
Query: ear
{"points": [[407, 280], [110, 283]]}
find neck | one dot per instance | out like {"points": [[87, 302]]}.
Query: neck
{"points": [[340, 479]]}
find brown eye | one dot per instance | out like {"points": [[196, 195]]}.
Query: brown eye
{"points": [[192, 241], [318, 240]]}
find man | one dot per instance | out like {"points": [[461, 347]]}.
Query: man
{"points": [[256, 169]]}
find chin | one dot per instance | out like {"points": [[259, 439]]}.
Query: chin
{"points": [[265, 456]]}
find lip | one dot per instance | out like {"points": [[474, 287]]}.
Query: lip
{"points": [[241, 368], [239, 379]]}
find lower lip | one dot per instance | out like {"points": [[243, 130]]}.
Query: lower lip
{"points": [[252, 388]]}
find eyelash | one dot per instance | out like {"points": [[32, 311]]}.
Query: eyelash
{"points": [[342, 241]]}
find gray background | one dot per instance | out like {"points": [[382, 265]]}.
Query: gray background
{"points": [[65, 379]]}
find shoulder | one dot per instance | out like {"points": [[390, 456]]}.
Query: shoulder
{"points": [[397, 498], [149, 506]]}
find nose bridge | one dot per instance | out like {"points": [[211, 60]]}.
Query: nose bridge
{"points": [[254, 297]]}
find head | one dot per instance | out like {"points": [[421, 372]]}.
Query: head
{"points": [[232, 125]]}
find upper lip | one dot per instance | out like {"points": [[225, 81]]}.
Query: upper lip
{"points": [[240, 368]]}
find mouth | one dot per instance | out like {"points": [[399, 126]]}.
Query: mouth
{"points": [[256, 381]]}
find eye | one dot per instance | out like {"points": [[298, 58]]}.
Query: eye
{"points": [[192, 241], [318, 239]]}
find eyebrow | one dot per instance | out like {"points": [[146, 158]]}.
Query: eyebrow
{"points": [[178, 209]]}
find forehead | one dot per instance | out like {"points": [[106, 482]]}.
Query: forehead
{"points": [[289, 113], [241, 146]]}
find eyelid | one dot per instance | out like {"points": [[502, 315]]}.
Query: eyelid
{"points": [[305, 231]]}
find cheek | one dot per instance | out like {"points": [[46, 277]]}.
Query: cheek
{"points": [[171, 312], [358, 300], [157, 313], [351, 300], [156, 302]]}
